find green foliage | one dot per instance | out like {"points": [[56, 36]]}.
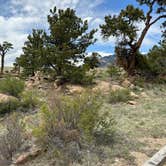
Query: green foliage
{"points": [[157, 59], [11, 86], [113, 71], [9, 106], [70, 121], [124, 27], [105, 129], [29, 100], [4, 48], [31, 59], [61, 49], [92, 61], [121, 95]]}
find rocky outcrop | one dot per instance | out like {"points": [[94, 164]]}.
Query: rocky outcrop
{"points": [[5, 98]]}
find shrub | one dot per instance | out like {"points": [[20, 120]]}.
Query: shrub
{"points": [[68, 121], [121, 95], [29, 99], [11, 86], [105, 129], [113, 71], [9, 106], [12, 137]]}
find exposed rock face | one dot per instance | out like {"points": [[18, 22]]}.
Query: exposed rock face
{"points": [[126, 83], [23, 158], [116, 88], [102, 86], [5, 98], [132, 102], [133, 95]]}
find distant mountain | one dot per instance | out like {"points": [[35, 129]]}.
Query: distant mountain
{"points": [[106, 60]]}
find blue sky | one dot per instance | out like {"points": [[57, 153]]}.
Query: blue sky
{"points": [[19, 17]]}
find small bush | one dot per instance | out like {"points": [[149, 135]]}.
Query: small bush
{"points": [[29, 99], [12, 137], [68, 121], [105, 129], [11, 86], [113, 71], [121, 95], [9, 106]]}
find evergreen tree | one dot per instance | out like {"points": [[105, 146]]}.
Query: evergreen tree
{"points": [[67, 42], [4, 48], [125, 27], [33, 50]]}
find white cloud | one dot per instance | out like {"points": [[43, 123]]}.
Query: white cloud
{"points": [[29, 14]]}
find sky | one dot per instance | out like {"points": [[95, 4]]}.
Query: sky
{"points": [[19, 17]]}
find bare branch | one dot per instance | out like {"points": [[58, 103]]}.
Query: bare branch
{"points": [[157, 19]]}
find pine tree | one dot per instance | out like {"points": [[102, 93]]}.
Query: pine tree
{"points": [[125, 27], [4, 48]]}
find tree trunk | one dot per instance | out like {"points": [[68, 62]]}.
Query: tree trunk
{"points": [[132, 62], [2, 63]]}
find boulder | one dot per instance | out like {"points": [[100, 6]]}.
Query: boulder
{"points": [[133, 95], [126, 83], [116, 88], [5, 98], [143, 94], [23, 158], [132, 102], [102, 86]]}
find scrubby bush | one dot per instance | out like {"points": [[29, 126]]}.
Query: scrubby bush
{"points": [[113, 71], [105, 129], [11, 86], [12, 138], [29, 99], [68, 121], [9, 106], [121, 95]]}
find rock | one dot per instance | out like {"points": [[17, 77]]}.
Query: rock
{"points": [[116, 87], [23, 158], [72, 89], [143, 94], [132, 102], [133, 95], [102, 86], [5, 98], [126, 83]]}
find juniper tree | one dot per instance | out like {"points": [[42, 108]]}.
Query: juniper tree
{"points": [[125, 28]]}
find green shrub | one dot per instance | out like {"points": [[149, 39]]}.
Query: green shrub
{"points": [[9, 106], [29, 99], [113, 71], [12, 138], [121, 95], [11, 86], [105, 129], [71, 120]]}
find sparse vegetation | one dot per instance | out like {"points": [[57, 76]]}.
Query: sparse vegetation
{"points": [[12, 138], [11, 86], [121, 95]]}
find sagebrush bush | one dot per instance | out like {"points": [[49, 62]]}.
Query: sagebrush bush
{"points": [[68, 120], [9, 106], [11, 86], [12, 138], [121, 95], [29, 99]]}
